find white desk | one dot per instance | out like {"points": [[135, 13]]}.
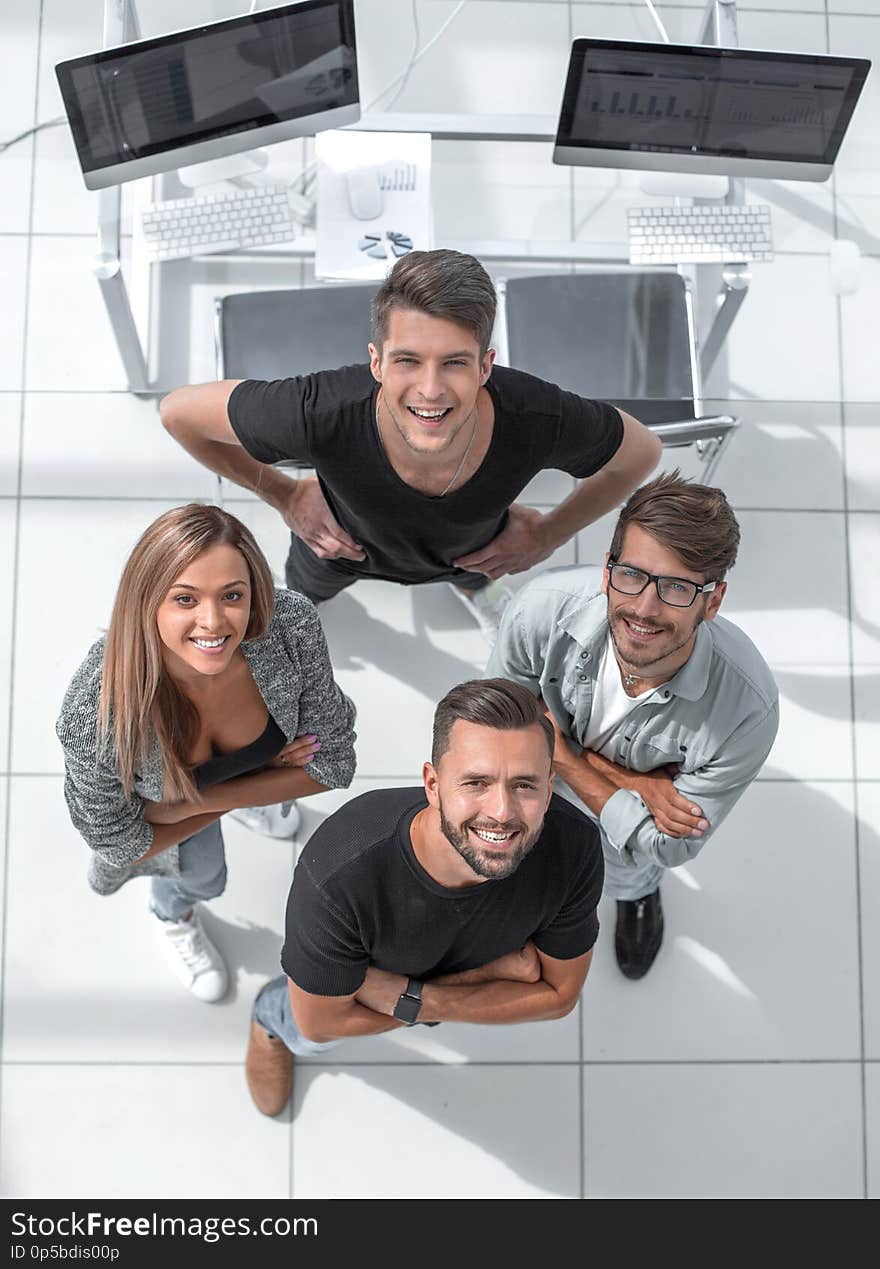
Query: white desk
{"points": [[134, 302]]}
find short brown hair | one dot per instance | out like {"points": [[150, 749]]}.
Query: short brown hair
{"points": [[694, 521], [442, 283], [496, 703]]}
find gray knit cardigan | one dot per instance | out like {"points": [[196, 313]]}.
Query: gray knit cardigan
{"points": [[291, 667]]}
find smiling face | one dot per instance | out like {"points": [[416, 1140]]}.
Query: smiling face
{"points": [[431, 371], [648, 634], [203, 618], [491, 789]]}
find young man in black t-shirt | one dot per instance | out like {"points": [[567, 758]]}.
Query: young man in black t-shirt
{"points": [[421, 454], [471, 900]]}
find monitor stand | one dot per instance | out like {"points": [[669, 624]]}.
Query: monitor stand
{"points": [[237, 167], [684, 184]]}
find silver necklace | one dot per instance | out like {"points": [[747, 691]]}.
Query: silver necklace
{"points": [[464, 456]]}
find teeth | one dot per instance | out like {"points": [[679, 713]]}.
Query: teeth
{"points": [[427, 414], [492, 837], [641, 629], [210, 643]]}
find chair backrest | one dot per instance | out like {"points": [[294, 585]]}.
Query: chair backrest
{"points": [[274, 334], [622, 337]]}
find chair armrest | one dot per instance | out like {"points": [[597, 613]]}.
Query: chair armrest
{"points": [[686, 431]]}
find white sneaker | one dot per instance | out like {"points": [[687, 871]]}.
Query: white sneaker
{"points": [[193, 957], [280, 820], [486, 605]]}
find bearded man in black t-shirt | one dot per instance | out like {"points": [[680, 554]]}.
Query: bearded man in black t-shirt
{"points": [[420, 454], [472, 899]]}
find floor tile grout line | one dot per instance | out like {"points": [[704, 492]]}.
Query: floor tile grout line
{"points": [[582, 1135], [587, 1062], [386, 777], [812, 253], [16, 551], [73, 392], [582, 1096], [51, 233], [854, 750], [572, 207], [434, 1064], [854, 746], [291, 1143], [744, 6], [204, 497], [716, 401], [582, 1099], [572, 191]]}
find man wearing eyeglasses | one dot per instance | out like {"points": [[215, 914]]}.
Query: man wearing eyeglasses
{"points": [[664, 712]]}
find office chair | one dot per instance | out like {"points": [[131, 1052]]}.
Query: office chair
{"points": [[275, 334], [625, 337]]}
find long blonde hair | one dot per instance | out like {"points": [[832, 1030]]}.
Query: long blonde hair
{"points": [[140, 703]]}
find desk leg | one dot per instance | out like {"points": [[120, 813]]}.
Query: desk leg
{"points": [[718, 24], [121, 23], [115, 296], [734, 288], [114, 292]]}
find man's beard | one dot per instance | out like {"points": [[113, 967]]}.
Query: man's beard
{"points": [[643, 658], [489, 863]]}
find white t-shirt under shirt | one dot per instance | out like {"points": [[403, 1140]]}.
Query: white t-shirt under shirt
{"points": [[610, 706]]}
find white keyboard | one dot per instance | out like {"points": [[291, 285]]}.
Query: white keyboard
{"points": [[677, 235], [181, 227]]}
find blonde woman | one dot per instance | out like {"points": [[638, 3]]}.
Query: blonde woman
{"points": [[211, 692]]}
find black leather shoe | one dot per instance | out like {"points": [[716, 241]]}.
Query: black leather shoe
{"points": [[638, 934]]}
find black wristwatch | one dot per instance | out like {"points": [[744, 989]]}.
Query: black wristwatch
{"points": [[409, 1003]]}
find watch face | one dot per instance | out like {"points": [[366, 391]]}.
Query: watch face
{"points": [[407, 1009]]}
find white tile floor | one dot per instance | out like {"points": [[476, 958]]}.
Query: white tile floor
{"points": [[748, 1062]]}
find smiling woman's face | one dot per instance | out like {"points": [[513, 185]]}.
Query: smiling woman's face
{"points": [[204, 616]]}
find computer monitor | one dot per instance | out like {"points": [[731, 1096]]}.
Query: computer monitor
{"points": [[215, 90], [700, 109]]}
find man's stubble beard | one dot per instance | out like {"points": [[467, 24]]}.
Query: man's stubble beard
{"points": [[504, 863], [639, 662]]}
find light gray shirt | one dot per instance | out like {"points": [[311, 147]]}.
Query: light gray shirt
{"points": [[291, 668], [716, 719]]}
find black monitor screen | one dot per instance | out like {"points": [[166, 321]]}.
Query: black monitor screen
{"points": [[726, 102], [229, 77]]}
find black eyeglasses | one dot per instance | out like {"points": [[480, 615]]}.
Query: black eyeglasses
{"points": [[676, 591]]}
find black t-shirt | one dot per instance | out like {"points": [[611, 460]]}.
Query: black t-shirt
{"points": [[327, 421], [360, 897]]}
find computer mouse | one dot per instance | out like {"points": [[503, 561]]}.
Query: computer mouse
{"points": [[365, 198], [845, 263]]}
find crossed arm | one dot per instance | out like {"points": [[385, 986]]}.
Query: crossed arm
{"points": [[595, 779], [667, 815], [174, 822], [522, 986]]}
